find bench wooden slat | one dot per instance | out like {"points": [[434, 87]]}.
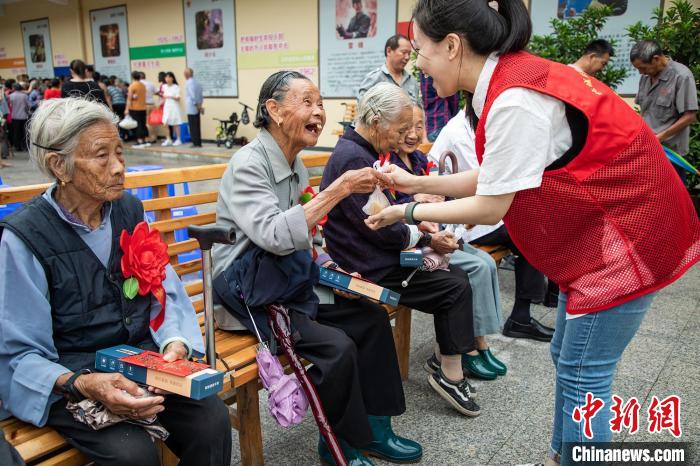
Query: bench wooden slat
{"points": [[173, 224], [188, 267], [319, 159], [183, 246], [70, 457], [174, 175], [194, 288], [185, 200], [48, 441]]}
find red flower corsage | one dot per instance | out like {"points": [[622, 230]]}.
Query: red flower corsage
{"points": [[428, 166], [143, 265], [306, 195]]}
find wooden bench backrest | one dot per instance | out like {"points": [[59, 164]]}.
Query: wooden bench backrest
{"points": [[161, 204]]}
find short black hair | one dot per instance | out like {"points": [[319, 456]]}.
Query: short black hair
{"points": [[172, 75], [393, 42], [645, 50], [135, 75], [600, 47], [356, 1], [275, 87]]}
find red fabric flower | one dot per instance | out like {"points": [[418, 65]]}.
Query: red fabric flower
{"points": [[144, 260], [306, 195]]}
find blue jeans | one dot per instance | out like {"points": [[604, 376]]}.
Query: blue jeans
{"points": [[585, 352]]}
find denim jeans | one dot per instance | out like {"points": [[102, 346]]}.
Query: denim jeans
{"points": [[585, 351]]}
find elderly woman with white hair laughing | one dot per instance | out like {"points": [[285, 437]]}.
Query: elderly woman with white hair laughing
{"points": [[64, 258], [385, 114]]}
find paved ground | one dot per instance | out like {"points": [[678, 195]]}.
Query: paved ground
{"points": [[516, 409]]}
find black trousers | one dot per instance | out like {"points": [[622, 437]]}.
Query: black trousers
{"points": [[19, 134], [529, 282], [447, 295], [140, 117], [195, 129], [200, 434], [355, 368]]}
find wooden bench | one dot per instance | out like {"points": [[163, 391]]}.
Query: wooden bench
{"points": [[235, 350]]}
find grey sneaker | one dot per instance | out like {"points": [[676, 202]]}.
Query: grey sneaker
{"points": [[432, 365], [455, 393]]}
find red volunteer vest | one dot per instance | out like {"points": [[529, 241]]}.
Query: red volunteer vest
{"points": [[614, 223]]}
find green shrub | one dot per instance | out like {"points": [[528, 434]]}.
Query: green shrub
{"points": [[678, 32], [570, 38]]}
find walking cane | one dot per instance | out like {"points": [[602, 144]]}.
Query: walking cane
{"points": [[278, 317], [206, 236]]}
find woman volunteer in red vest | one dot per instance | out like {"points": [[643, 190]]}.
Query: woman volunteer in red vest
{"points": [[581, 182]]}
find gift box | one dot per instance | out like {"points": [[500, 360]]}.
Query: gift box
{"points": [[187, 378], [412, 258], [346, 282]]}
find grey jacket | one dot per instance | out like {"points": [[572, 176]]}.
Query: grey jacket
{"points": [[259, 198]]}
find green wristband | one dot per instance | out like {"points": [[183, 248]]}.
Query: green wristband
{"points": [[408, 213]]}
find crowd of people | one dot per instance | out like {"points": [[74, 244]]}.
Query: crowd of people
{"points": [[531, 172], [140, 98]]}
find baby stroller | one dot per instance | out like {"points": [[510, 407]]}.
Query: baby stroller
{"points": [[226, 132]]}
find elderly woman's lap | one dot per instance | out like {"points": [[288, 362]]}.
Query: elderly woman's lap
{"points": [[200, 433]]}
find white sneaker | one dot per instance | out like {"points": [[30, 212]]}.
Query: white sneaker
{"points": [[167, 142], [138, 146], [146, 144], [177, 143]]}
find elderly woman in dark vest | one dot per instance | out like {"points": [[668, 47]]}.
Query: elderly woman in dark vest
{"points": [[349, 341], [61, 300]]}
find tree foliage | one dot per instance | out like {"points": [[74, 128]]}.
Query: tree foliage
{"points": [[677, 30], [570, 37]]}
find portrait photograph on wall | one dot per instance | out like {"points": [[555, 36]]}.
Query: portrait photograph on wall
{"points": [[210, 38], [352, 35], [110, 42], [624, 14], [37, 48]]}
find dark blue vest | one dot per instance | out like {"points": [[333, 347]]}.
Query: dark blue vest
{"points": [[88, 309]]}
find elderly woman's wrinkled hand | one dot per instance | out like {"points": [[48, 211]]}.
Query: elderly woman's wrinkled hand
{"points": [[444, 242], [386, 217], [119, 395], [364, 180]]}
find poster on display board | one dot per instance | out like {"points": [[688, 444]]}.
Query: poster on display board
{"points": [[38, 57], [624, 14], [110, 42], [210, 38], [352, 35]]}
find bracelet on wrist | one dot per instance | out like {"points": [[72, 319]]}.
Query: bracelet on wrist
{"points": [[408, 213]]}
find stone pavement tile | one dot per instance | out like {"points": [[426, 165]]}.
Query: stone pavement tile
{"points": [[645, 356]]}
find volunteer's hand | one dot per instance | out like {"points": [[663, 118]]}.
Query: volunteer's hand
{"points": [[401, 180], [388, 216], [444, 242], [363, 180], [119, 395]]}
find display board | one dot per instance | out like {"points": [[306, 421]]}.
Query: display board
{"points": [[625, 13], [36, 38], [110, 42], [351, 42], [210, 38]]}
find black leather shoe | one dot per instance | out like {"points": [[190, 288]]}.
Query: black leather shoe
{"points": [[532, 330]]}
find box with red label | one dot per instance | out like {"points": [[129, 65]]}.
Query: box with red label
{"points": [[187, 378]]}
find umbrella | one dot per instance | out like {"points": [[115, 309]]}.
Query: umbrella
{"points": [[279, 323], [285, 399], [678, 159]]}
